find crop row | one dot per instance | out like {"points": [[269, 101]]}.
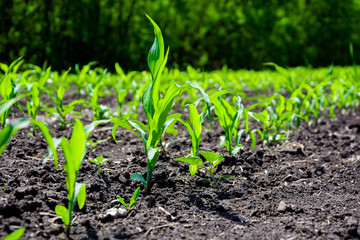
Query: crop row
{"points": [[280, 101]]}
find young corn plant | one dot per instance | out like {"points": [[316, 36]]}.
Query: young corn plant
{"points": [[35, 89], [61, 111], [99, 161], [82, 77], [229, 118], [74, 152], [156, 109], [194, 129], [213, 160], [93, 89], [274, 119], [132, 200], [125, 86], [9, 88]]}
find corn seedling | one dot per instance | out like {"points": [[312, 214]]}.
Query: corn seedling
{"points": [[74, 152], [9, 89], [35, 90], [99, 161], [274, 120], [229, 118], [195, 131], [213, 160], [156, 109], [61, 111], [93, 89], [132, 200]]}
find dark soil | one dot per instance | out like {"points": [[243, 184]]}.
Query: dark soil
{"points": [[305, 188]]}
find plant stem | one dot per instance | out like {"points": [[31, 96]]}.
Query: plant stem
{"points": [[68, 231], [148, 182], [163, 150]]}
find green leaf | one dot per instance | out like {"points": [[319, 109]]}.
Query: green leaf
{"points": [[8, 104], [170, 122], [134, 197], [138, 177], [161, 114], [10, 130], [195, 121], [236, 149], [204, 95], [101, 159], [15, 65], [281, 105], [210, 156], [156, 53], [57, 142], [46, 132], [140, 130], [139, 125], [193, 169], [222, 141], [155, 93], [120, 71], [94, 161], [90, 127], [77, 144], [62, 212], [260, 117], [196, 161], [80, 194], [122, 201], [5, 136], [205, 179], [224, 176], [152, 154], [218, 94], [124, 124], [253, 139], [6, 88], [60, 92], [17, 234]]}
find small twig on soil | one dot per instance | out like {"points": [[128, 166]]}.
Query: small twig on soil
{"points": [[258, 186], [328, 194], [34, 158], [47, 214], [167, 213], [162, 226]]}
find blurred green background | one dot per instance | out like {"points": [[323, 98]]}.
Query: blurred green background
{"points": [[208, 34]]}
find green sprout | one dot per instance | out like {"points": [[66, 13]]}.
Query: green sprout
{"points": [[99, 161], [9, 88], [35, 90], [156, 109], [275, 120], [74, 152], [99, 111], [213, 159], [92, 144], [132, 200], [61, 111], [229, 118]]}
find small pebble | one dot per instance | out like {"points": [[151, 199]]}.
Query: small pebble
{"points": [[283, 207], [113, 213]]}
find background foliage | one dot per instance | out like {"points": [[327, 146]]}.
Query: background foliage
{"points": [[239, 33]]}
